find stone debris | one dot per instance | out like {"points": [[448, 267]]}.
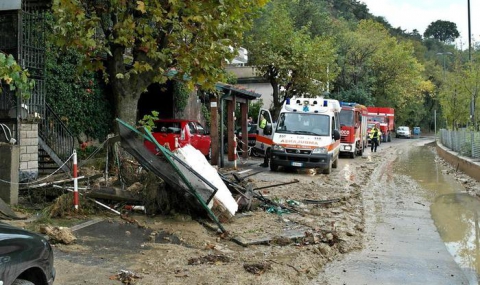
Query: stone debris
{"points": [[58, 234]]}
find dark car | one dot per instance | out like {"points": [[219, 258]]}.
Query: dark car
{"points": [[252, 138], [26, 258], [252, 134]]}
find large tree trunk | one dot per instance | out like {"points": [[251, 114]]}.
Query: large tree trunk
{"points": [[277, 102], [126, 89], [126, 102]]}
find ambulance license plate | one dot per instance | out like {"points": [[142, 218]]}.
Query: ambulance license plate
{"points": [[298, 164]]}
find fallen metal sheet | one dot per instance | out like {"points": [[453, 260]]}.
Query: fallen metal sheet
{"points": [[86, 224], [5, 210], [160, 166], [164, 167]]}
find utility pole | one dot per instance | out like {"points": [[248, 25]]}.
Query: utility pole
{"points": [[472, 103]]}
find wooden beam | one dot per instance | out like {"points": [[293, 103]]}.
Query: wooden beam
{"points": [[244, 114], [214, 130], [231, 126]]}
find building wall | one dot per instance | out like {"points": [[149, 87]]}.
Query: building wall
{"points": [[248, 78], [262, 88]]}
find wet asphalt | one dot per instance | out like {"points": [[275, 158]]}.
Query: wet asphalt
{"points": [[402, 244]]}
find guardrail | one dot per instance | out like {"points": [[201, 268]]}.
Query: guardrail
{"points": [[465, 142]]}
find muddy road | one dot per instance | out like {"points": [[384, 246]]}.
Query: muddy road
{"points": [[366, 223]]}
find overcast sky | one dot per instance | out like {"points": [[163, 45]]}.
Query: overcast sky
{"points": [[418, 14]]}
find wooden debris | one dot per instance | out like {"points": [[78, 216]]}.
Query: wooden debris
{"points": [[257, 268], [209, 259]]}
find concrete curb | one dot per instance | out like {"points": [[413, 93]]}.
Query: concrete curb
{"points": [[465, 164]]}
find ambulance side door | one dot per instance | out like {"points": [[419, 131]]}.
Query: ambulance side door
{"points": [[265, 130]]}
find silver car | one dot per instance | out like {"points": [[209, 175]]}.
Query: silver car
{"points": [[403, 132]]}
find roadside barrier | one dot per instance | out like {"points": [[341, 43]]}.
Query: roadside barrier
{"points": [[36, 184], [75, 181]]}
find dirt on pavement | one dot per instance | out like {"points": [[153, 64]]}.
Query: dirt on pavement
{"points": [[326, 220]]}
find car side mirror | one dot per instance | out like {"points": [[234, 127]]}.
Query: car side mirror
{"points": [[268, 129], [336, 135]]}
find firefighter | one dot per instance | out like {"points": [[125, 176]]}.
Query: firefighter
{"points": [[375, 134]]}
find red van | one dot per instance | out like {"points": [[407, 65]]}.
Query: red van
{"points": [[174, 133]]}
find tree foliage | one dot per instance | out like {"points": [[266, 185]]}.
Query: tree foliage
{"points": [[444, 31], [137, 43], [77, 98], [14, 76], [294, 62], [380, 70]]}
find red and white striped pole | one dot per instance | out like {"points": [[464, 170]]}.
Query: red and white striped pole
{"points": [[234, 144], [235, 151], [75, 181]]}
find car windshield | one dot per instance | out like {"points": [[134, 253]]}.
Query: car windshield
{"points": [[403, 128], [346, 118], [167, 127], [306, 124], [251, 129]]}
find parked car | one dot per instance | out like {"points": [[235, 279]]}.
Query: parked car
{"points": [[174, 133], [403, 132], [252, 134], [26, 258]]}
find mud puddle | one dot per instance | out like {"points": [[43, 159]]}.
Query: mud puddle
{"points": [[455, 213]]}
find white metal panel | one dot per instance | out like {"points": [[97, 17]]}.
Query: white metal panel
{"points": [[10, 5]]}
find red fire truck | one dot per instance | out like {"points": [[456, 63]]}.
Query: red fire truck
{"points": [[353, 128], [383, 116]]}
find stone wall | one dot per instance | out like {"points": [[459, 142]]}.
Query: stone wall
{"points": [[464, 164], [28, 151]]}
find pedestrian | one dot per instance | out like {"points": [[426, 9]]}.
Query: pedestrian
{"points": [[374, 135]]}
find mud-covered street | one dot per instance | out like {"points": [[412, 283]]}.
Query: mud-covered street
{"points": [[365, 219]]}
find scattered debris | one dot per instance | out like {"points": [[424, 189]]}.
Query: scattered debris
{"points": [[241, 178], [329, 201], [126, 277], [279, 184], [257, 268], [58, 234], [209, 259]]}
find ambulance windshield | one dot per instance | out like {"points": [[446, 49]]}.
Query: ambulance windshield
{"points": [[304, 123]]}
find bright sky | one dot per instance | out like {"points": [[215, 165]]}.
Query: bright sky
{"points": [[418, 14]]}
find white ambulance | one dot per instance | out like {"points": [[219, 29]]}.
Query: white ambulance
{"points": [[306, 134]]}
